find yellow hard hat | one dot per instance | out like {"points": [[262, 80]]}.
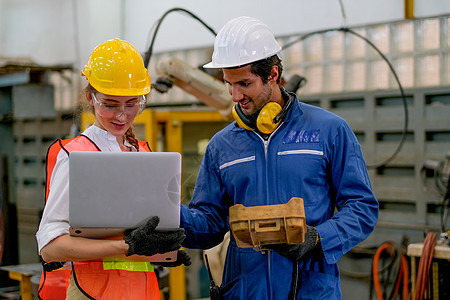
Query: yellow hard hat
{"points": [[116, 68]]}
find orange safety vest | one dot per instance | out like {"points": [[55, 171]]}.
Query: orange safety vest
{"points": [[97, 280]]}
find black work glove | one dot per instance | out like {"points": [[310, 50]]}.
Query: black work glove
{"points": [[297, 251], [145, 240], [182, 259]]}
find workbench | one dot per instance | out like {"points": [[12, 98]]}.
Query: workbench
{"points": [[23, 274], [441, 252]]}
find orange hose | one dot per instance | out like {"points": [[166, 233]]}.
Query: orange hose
{"points": [[403, 275], [376, 280], [399, 278], [397, 283], [424, 265]]}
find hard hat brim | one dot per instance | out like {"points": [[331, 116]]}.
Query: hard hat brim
{"points": [[212, 65]]}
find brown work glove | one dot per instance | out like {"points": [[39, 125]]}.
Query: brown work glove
{"points": [[297, 251], [145, 240], [182, 259]]}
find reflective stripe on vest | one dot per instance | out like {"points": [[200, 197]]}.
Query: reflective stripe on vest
{"points": [[120, 264], [100, 279]]}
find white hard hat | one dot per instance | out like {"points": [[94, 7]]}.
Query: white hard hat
{"points": [[241, 41]]}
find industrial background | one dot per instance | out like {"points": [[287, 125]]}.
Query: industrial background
{"points": [[384, 66]]}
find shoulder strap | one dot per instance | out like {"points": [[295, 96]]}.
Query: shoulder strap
{"points": [[144, 146], [79, 143], [50, 160]]}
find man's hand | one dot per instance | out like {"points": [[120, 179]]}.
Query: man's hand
{"points": [[182, 259], [297, 251], [145, 240]]}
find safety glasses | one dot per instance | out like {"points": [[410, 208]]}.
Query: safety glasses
{"points": [[113, 109]]}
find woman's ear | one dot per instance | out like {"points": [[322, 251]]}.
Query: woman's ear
{"points": [[89, 98]]}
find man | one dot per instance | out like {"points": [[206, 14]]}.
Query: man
{"points": [[305, 152]]}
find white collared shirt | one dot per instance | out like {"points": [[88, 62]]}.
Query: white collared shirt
{"points": [[55, 219]]}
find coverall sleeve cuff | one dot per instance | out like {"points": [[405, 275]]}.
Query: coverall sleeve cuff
{"points": [[330, 242]]}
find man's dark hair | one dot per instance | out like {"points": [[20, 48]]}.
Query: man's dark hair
{"points": [[263, 68]]}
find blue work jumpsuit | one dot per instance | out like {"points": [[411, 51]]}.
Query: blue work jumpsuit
{"points": [[313, 155]]}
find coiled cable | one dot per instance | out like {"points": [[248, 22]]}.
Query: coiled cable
{"points": [[424, 265]]}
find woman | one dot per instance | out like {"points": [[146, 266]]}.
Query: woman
{"points": [[117, 89]]}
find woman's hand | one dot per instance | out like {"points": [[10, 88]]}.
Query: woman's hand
{"points": [[145, 240]]}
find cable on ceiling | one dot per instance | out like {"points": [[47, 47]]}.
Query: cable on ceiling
{"points": [[149, 53], [402, 92]]}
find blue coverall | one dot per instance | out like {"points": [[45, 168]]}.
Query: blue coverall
{"points": [[313, 155]]}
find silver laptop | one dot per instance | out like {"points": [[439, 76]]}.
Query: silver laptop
{"points": [[110, 192]]}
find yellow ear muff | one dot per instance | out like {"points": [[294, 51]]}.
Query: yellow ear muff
{"points": [[240, 118], [265, 122]]}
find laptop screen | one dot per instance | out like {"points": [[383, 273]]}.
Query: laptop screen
{"points": [[120, 190]]}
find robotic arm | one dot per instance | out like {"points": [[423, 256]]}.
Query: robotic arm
{"points": [[204, 87]]}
